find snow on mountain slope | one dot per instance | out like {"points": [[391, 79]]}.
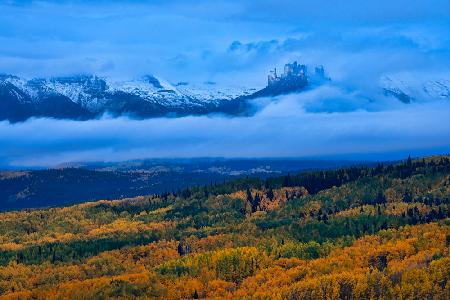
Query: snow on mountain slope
{"points": [[182, 94], [92, 92], [19, 83], [87, 96], [151, 89], [408, 87], [211, 92]]}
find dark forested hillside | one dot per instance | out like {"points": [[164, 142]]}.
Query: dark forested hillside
{"points": [[352, 233], [105, 181]]}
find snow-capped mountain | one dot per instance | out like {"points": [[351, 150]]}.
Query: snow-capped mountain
{"points": [[412, 87], [84, 97], [87, 97]]}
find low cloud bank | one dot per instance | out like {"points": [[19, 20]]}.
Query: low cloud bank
{"points": [[290, 126]]}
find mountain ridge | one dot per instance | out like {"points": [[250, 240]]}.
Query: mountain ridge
{"points": [[84, 97], [88, 96]]}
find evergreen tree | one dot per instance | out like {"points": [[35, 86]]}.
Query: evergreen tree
{"points": [[409, 162], [183, 248], [287, 180], [381, 199], [407, 197], [255, 203], [249, 196]]}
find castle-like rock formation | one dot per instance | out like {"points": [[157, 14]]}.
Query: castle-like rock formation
{"points": [[294, 76]]}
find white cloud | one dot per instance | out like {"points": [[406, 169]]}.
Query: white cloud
{"points": [[356, 41], [140, 37], [281, 128]]}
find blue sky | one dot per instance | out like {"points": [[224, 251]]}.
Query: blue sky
{"points": [[215, 40], [233, 42]]}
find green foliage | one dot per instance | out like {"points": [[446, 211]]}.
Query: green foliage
{"points": [[74, 250], [310, 250], [228, 264]]}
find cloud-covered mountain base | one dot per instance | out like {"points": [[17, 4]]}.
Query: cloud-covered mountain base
{"points": [[326, 121]]}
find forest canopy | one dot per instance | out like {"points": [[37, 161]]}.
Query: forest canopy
{"points": [[351, 233]]}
